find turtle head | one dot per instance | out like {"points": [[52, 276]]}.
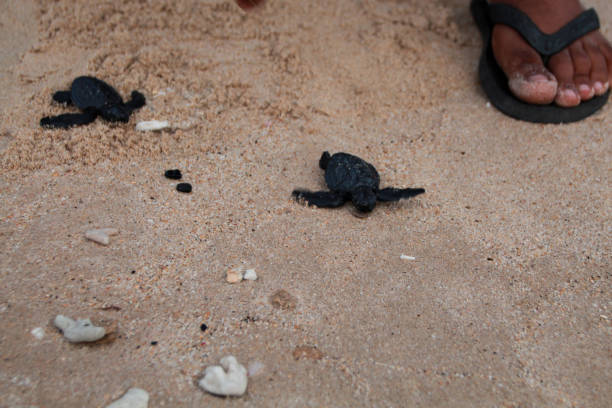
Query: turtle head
{"points": [[364, 199], [117, 113]]}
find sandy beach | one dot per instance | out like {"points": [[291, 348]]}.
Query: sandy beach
{"points": [[503, 297]]}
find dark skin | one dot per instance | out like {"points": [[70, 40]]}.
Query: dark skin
{"points": [[249, 4], [577, 73]]}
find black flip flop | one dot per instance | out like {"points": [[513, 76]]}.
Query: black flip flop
{"points": [[495, 83]]}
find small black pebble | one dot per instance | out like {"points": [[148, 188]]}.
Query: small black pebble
{"points": [[184, 187], [203, 327], [133, 272], [154, 343], [174, 174]]}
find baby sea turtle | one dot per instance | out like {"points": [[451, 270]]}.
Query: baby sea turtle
{"points": [[93, 97], [351, 178]]}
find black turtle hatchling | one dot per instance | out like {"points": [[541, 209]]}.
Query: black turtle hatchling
{"points": [[93, 97], [350, 178]]}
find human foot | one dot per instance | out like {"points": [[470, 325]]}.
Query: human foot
{"points": [[577, 73], [248, 4]]}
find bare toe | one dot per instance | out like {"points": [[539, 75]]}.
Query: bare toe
{"points": [[563, 69], [533, 84], [582, 70], [606, 50], [528, 79], [599, 68]]}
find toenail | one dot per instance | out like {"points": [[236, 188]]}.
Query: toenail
{"points": [[601, 88], [584, 88], [538, 78], [569, 93]]}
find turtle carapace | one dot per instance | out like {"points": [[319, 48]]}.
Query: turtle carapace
{"points": [[93, 97], [350, 178]]}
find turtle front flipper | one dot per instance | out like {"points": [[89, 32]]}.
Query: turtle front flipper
{"points": [[395, 194], [63, 97], [69, 119], [137, 101], [323, 199]]}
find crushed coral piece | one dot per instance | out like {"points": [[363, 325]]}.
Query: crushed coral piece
{"points": [[152, 125], [133, 398], [102, 235], [38, 332], [80, 330], [229, 379], [250, 274]]}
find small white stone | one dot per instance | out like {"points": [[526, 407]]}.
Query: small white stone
{"points": [[250, 274], [109, 231], [228, 379], [38, 332], [152, 125], [97, 236], [234, 275], [80, 330], [133, 398], [101, 235], [407, 258]]}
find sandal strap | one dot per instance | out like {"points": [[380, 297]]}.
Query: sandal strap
{"points": [[545, 44]]}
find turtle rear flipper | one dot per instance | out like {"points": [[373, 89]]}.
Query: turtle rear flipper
{"points": [[69, 119], [323, 199], [395, 194]]}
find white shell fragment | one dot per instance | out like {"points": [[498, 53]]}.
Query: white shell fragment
{"points": [[38, 332], [250, 275], [133, 398], [407, 258], [76, 331], [229, 379], [152, 125], [102, 235], [234, 275]]}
